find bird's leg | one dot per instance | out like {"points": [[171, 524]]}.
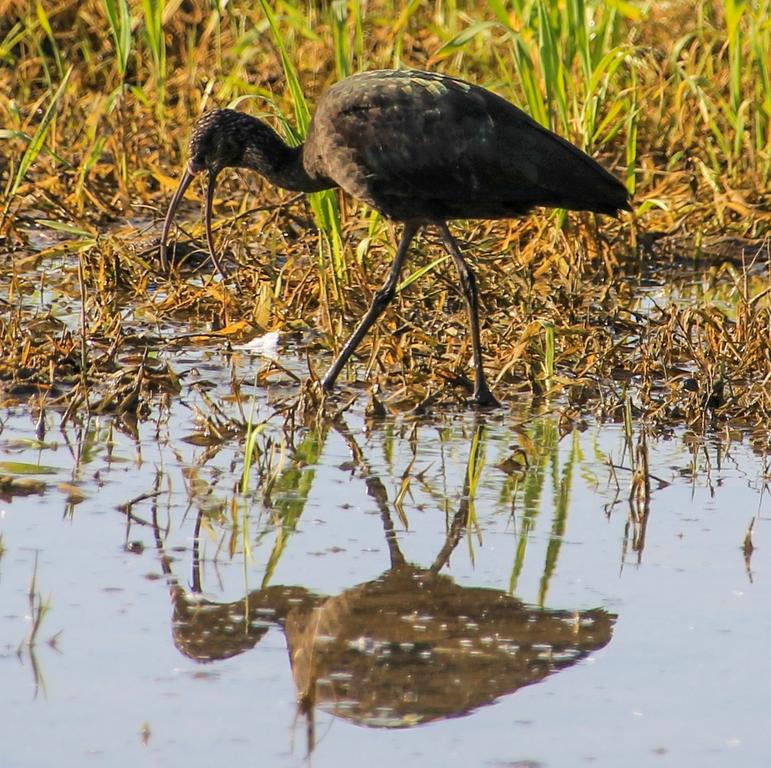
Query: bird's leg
{"points": [[482, 394], [381, 300]]}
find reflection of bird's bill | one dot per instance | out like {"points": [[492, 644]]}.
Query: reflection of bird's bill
{"points": [[184, 183]]}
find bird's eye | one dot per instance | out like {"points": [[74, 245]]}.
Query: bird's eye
{"points": [[198, 162]]}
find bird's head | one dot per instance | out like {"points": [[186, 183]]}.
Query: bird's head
{"points": [[219, 140], [222, 138]]}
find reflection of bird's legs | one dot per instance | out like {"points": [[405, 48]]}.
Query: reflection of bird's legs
{"points": [[197, 553], [482, 394], [382, 299], [376, 490], [460, 520]]}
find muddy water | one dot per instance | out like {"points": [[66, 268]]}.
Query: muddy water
{"points": [[470, 590]]}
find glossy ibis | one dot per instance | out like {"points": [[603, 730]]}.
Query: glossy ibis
{"points": [[419, 147]]}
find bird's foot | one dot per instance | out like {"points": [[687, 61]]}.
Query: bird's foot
{"points": [[484, 398], [328, 380]]}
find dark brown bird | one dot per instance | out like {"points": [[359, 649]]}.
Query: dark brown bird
{"points": [[419, 147]]}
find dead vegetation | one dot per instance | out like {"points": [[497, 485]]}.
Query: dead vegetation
{"points": [[670, 306]]}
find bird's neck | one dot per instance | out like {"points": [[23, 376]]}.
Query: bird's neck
{"points": [[281, 164], [294, 176]]}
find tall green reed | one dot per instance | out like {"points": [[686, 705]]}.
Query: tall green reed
{"points": [[723, 64], [324, 205], [53, 45], [119, 18], [36, 145], [152, 11], [567, 56]]}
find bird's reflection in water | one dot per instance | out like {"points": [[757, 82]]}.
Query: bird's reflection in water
{"points": [[413, 646], [409, 647]]}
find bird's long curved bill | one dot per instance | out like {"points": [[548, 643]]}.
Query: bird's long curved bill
{"points": [[207, 223], [184, 183]]}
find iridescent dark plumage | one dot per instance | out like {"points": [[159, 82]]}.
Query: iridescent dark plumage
{"points": [[421, 148]]}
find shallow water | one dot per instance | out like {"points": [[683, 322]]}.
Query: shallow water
{"points": [[473, 589]]}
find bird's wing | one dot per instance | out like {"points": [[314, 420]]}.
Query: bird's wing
{"points": [[419, 136], [414, 136]]}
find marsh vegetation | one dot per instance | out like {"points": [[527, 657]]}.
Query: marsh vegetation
{"points": [[419, 560]]}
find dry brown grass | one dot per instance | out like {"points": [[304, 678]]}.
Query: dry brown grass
{"points": [[692, 347]]}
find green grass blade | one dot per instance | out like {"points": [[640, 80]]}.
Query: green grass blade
{"points": [[631, 144], [38, 140], [119, 17], [301, 112], [324, 205], [464, 37], [11, 134], [153, 17], [45, 25], [338, 20], [418, 273]]}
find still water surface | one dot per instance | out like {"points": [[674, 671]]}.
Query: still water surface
{"points": [[469, 590]]}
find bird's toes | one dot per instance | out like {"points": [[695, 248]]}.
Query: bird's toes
{"points": [[485, 399]]}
